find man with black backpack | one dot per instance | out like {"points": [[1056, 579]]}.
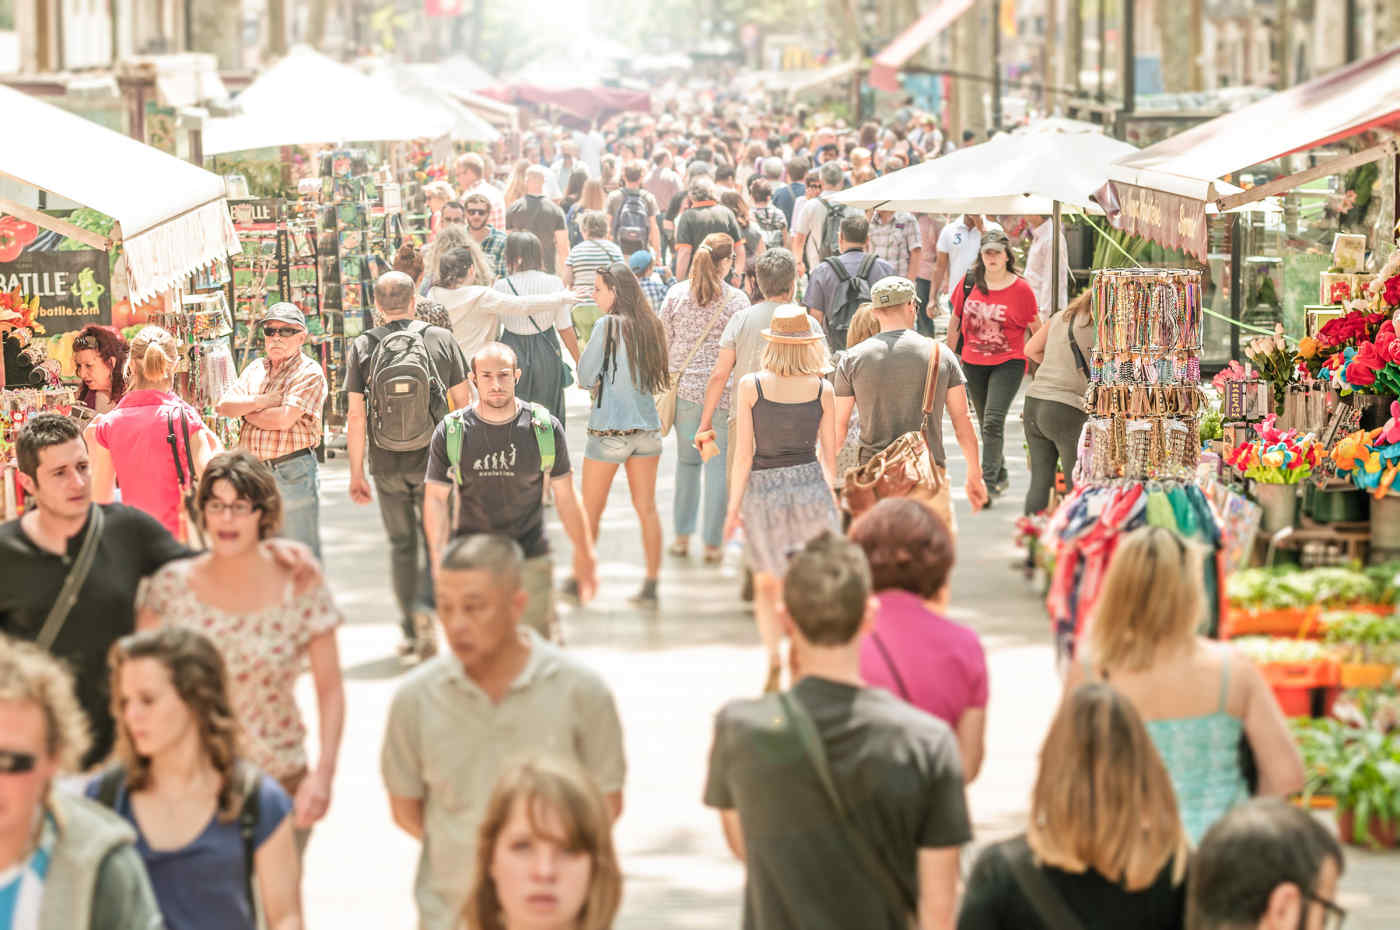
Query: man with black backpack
{"points": [[842, 282], [816, 227], [632, 212], [400, 379]]}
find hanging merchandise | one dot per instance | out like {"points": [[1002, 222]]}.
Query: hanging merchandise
{"points": [[1140, 448], [16, 407]]}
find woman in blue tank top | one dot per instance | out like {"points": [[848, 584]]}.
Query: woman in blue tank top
{"points": [[780, 490], [1203, 702]]}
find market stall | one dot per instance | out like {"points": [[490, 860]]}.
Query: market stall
{"points": [[81, 246]]}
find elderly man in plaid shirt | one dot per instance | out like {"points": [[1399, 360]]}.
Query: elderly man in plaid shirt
{"points": [[279, 398], [894, 236]]}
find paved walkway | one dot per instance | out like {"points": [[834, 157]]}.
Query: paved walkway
{"points": [[671, 671]]}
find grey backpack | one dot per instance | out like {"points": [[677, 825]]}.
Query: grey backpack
{"points": [[406, 398]]}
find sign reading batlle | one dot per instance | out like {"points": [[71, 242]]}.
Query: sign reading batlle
{"points": [[74, 288]]}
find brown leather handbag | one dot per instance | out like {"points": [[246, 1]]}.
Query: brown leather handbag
{"points": [[904, 468]]}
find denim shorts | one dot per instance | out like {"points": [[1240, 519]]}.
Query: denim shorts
{"points": [[618, 449]]}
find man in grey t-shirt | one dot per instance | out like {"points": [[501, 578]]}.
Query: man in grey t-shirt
{"points": [[884, 376], [741, 344]]}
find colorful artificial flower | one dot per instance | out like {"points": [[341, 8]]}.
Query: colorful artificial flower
{"points": [[1307, 347], [1391, 292], [1361, 370], [1339, 293]]}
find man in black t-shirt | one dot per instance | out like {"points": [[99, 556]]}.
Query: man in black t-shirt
{"points": [[499, 474], [543, 217], [38, 550], [895, 768], [398, 476], [705, 216]]}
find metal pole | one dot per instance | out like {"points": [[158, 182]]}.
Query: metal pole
{"points": [[1236, 285], [996, 64], [1056, 225], [1129, 58]]}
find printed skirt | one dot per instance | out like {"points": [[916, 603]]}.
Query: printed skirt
{"points": [[541, 369], [783, 509]]}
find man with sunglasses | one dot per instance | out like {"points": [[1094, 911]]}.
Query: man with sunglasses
{"points": [[279, 397], [492, 240], [65, 863], [1266, 865]]}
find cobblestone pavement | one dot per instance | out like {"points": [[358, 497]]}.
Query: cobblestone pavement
{"points": [[671, 671]]}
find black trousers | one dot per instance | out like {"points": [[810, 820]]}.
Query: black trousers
{"points": [[401, 510], [1052, 435], [992, 389]]}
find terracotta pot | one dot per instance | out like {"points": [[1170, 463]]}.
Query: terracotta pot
{"points": [[1384, 835], [1366, 674]]}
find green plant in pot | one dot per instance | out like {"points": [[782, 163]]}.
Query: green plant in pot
{"points": [[1359, 767], [1366, 640]]}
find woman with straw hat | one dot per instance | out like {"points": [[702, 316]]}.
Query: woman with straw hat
{"points": [[780, 490]]}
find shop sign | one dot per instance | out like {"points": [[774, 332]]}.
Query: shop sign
{"points": [[1170, 220], [74, 288]]}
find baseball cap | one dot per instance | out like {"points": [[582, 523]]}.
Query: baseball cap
{"points": [[639, 260], [285, 312], [892, 291]]}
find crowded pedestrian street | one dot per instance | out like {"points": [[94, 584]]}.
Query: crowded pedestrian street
{"points": [[592, 466]]}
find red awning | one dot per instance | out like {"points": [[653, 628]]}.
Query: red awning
{"points": [[585, 103], [1351, 100], [884, 71]]}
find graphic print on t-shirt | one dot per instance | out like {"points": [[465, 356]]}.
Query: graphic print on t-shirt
{"points": [[982, 325], [499, 464]]}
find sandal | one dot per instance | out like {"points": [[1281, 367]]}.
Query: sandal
{"points": [[714, 555], [680, 547]]}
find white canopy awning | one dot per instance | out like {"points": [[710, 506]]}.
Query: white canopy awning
{"points": [[466, 125], [171, 216], [1020, 174], [307, 98]]}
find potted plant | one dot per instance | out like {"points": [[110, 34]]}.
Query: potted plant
{"points": [[1366, 646], [1354, 758]]}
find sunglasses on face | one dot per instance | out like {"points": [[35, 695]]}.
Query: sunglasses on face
{"points": [[16, 763], [279, 332], [477, 212], [85, 342]]}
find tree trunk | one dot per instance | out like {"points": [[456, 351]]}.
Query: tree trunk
{"points": [[316, 24], [1054, 54], [1283, 44], [1074, 39], [478, 23]]}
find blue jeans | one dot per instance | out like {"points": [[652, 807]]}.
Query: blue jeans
{"points": [[691, 471], [299, 483]]}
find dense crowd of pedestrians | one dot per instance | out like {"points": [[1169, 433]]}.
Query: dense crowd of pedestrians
{"points": [[695, 276]]}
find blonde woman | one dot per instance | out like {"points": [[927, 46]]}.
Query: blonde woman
{"points": [[1104, 832], [592, 199], [695, 313], [437, 194], [451, 236], [130, 445], [545, 856], [780, 489], [1198, 696], [515, 186]]}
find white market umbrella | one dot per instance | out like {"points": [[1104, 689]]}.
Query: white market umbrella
{"points": [[308, 98], [1010, 174]]}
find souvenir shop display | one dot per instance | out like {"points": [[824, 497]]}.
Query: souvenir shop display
{"points": [[206, 370], [1140, 449], [278, 263], [17, 406]]}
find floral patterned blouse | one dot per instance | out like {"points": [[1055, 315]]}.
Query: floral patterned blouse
{"points": [[685, 323], [264, 652]]}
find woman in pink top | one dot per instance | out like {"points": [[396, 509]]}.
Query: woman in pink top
{"points": [[130, 445], [914, 651]]}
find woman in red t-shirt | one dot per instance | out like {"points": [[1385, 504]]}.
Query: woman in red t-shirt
{"points": [[990, 325]]}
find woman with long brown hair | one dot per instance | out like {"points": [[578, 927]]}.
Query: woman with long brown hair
{"points": [[1199, 696], [515, 186], [183, 785], [694, 315], [624, 365], [545, 854], [1104, 831]]}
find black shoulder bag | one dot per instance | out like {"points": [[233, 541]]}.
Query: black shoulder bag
{"points": [[72, 582], [968, 283], [249, 813], [869, 861], [184, 474], [1047, 902]]}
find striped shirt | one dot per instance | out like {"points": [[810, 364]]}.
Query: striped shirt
{"points": [[534, 284], [22, 885], [302, 384], [586, 258]]}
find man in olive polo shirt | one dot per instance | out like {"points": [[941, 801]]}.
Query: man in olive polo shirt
{"points": [[500, 694]]}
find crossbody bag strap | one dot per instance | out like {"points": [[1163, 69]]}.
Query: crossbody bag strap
{"points": [[1048, 903], [249, 813], [931, 376], [72, 583], [889, 663], [865, 855], [1080, 361], [701, 341]]}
